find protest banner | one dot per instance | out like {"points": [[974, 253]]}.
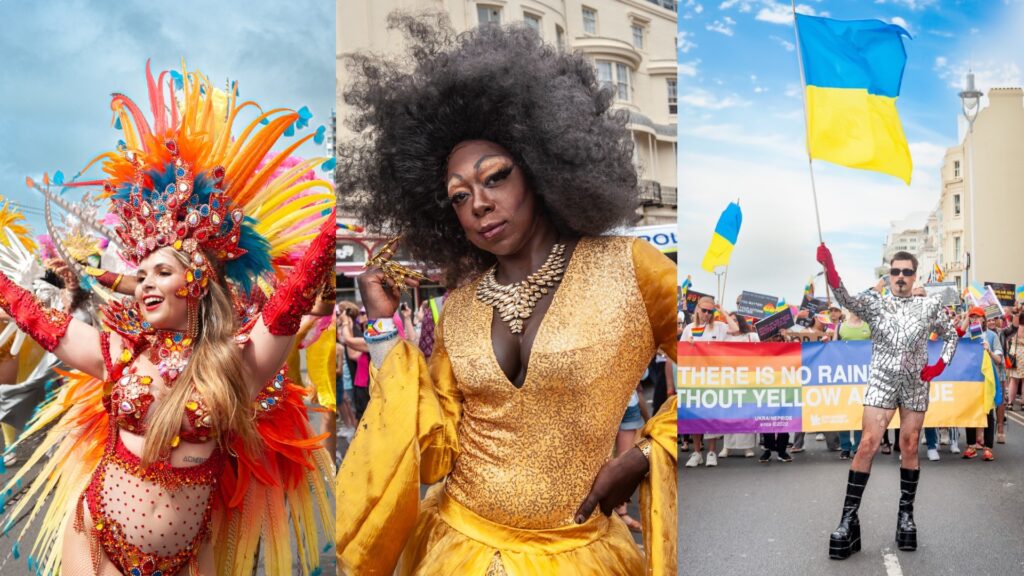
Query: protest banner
{"points": [[772, 325], [740, 388], [1005, 293], [756, 305]]}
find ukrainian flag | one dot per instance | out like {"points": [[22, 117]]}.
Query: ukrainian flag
{"points": [[852, 74], [724, 239]]}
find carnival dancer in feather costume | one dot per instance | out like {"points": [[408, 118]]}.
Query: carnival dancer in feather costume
{"points": [[180, 447]]}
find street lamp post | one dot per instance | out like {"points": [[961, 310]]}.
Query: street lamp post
{"points": [[970, 102]]}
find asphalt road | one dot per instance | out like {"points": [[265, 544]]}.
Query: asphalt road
{"points": [[9, 566], [744, 517]]}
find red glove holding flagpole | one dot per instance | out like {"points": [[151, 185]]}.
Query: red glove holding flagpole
{"points": [[825, 258]]}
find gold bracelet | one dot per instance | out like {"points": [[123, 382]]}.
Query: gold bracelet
{"points": [[644, 445], [117, 282]]}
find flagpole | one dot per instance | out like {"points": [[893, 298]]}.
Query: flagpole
{"points": [[807, 143]]}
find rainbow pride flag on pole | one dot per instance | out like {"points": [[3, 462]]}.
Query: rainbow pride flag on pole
{"points": [[852, 71], [724, 238]]}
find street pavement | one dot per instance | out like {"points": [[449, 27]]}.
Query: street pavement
{"points": [[9, 566], [744, 517]]}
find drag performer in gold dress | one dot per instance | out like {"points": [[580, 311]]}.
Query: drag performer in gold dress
{"points": [[497, 158]]}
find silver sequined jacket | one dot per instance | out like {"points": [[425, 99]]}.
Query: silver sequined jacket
{"points": [[900, 328]]}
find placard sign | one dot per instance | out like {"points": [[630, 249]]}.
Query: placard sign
{"points": [[947, 291], [814, 305], [691, 300], [773, 324], [1006, 293], [756, 305]]}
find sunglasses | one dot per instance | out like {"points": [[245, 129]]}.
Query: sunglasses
{"points": [[905, 271], [706, 310]]}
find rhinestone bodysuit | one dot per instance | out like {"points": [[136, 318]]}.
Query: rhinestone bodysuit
{"points": [[899, 345]]}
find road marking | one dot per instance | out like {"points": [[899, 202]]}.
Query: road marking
{"points": [[1015, 417], [892, 564]]}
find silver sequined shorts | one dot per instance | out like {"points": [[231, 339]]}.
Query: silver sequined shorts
{"points": [[912, 396]]}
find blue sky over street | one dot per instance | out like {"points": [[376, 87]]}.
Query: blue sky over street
{"points": [[741, 132]]}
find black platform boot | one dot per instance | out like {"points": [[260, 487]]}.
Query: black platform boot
{"points": [[846, 538], [906, 530]]}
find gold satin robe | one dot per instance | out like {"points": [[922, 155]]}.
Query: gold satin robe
{"points": [[517, 462]]}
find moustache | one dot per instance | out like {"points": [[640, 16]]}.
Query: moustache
{"points": [[901, 283]]}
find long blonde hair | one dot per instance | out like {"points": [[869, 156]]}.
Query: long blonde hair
{"points": [[215, 370]]}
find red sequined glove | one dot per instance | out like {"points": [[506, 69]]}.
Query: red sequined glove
{"points": [[44, 325], [825, 258], [928, 373], [295, 296]]}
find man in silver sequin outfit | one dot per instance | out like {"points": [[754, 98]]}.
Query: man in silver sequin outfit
{"points": [[899, 377]]}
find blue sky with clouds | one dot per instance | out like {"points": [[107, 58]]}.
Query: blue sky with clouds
{"points": [[63, 58], [741, 132]]}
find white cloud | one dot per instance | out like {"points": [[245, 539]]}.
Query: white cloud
{"points": [[777, 13], [689, 68], [701, 98], [987, 74], [684, 43], [779, 223], [912, 4], [789, 46], [690, 9], [900, 22], [941, 33], [927, 155], [723, 26], [744, 5], [794, 91]]}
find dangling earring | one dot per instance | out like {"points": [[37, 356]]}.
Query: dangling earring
{"points": [[193, 318]]}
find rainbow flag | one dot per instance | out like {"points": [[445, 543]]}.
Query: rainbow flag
{"points": [[809, 288], [350, 227], [697, 331], [852, 75], [724, 238]]}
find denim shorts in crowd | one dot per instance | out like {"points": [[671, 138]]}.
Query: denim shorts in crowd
{"points": [[632, 419]]}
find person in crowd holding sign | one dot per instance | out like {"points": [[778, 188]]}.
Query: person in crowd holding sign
{"points": [[981, 439], [706, 329], [899, 377]]}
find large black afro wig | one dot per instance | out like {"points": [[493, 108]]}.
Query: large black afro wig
{"points": [[501, 84]]}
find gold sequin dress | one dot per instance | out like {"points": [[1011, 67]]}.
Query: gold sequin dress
{"points": [[517, 462]]}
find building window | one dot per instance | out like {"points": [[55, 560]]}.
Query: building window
{"points": [[669, 4], [622, 81], [615, 75], [638, 37], [560, 36], [956, 168], [671, 82], [956, 248], [532, 22], [589, 20], [956, 204], [488, 14]]}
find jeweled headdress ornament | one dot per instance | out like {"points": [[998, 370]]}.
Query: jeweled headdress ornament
{"points": [[184, 181]]}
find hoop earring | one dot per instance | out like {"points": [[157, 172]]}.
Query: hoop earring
{"points": [[192, 329]]}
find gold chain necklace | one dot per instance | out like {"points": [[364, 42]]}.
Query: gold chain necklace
{"points": [[515, 302]]}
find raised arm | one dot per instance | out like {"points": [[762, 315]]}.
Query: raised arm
{"points": [[271, 339], [74, 342], [866, 305]]}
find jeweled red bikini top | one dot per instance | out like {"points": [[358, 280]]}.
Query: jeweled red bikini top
{"points": [[131, 398]]}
